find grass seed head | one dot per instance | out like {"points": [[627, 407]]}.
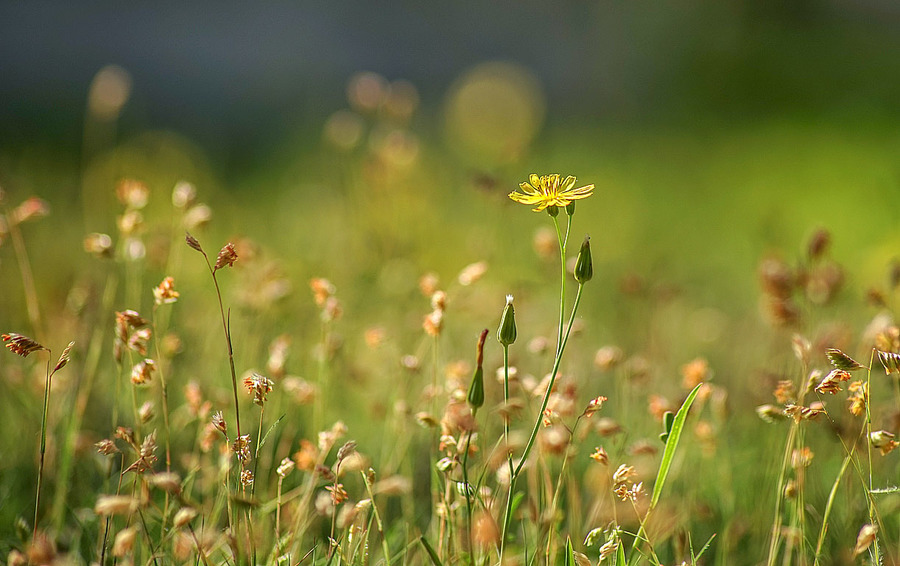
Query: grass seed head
{"points": [[106, 447], [226, 258], [285, 467], [142, 372], [890, 361], [842, 361], [184, 516], [21, 345], [115, 505], [124, 542], [165, 293], [259, 386], [865, 538]]}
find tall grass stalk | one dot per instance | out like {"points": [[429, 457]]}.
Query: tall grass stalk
{"points": [[873, 518], [40, 478]]}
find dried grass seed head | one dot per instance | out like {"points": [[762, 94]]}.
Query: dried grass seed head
{"points": [[842, 361], [259, 386], [142, 372], [21, 345], [165, 293], [226, 258]]}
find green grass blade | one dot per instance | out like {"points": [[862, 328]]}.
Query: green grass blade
{"points": [[431, 553], [620, 554], [672, 445], [570, 553], [268, 432]]}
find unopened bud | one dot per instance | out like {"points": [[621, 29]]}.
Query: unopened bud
{"points": [[584, 267], [475, 398], [506, 334]]}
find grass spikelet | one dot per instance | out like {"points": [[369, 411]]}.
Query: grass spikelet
{"points": [[842, 361]]}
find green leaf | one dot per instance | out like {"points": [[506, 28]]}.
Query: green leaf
{"points": [[431, 553], [570, 553], [672, 445], [620, 554], [271, 428]]}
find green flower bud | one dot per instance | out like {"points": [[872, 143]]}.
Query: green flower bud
{"points": [[475, 398], [506, 334], [570, 208], [584, 267], [553, 211]]}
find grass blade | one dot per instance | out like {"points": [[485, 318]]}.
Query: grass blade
{"points": [[672, 445], [431, 553]]}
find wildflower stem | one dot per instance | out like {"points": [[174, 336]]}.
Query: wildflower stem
{"points": [[468, 495], [559, 481], [506, 517], [563, 241], [553, 374]]}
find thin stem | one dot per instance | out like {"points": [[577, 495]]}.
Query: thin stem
{"points": [[199, 547], [553, 375], [40, 479], [779, 497], [562, 281], [32, 304], [468, 495], [559, 480], [165, 411], [828, 506], [509, 462], [876, 558], [384, 545]]}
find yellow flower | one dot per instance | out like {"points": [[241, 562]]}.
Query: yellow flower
{"points": [[547, 190]]}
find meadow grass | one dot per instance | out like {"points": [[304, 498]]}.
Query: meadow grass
{"points": [[317, 401]]}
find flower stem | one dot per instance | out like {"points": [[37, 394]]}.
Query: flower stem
{"points": [[506, 516], [553, 375]]}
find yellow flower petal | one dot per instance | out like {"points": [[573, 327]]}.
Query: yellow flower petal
{"points": [[546, 190]]}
